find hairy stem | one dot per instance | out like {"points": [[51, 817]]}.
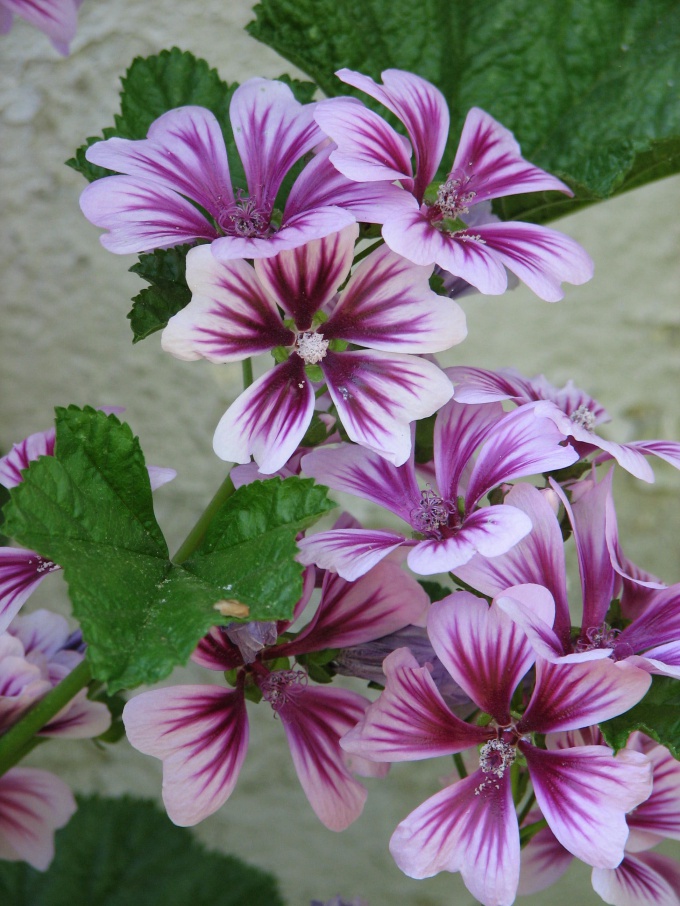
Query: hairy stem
{"points": [[196, 535]]}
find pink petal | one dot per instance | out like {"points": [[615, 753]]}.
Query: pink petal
{"points": [[269, 419], [585, 793], [542, 258], [410, 720], [469, 827], [570, 696], [349, 552], [482, 649], [648, 878], [388, 304], [658, 624], [357, 471], [658, 817], [21, 571], [303, 280], [216, 651], [368, 149], [315, 719], [377, 395], [56, 18], [380, 602], [141, 215], [544, 860], [230, 317], [201, 735], [81, 719], [184, 151], [160, 475], [490, 158], [22, 455], [458, 431], [421, 108], [33, 804]]}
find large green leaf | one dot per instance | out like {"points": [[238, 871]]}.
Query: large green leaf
{"points": [[125, 852], [89, 509], [657, 715], [589, 87]]}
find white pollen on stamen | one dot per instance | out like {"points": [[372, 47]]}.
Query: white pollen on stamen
{"points": [[583, 417], [311, 347]]}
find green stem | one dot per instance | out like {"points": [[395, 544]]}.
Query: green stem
{"points": [[16, 742], [460, 765], [364, 253], [195, 536], [247, 366]]}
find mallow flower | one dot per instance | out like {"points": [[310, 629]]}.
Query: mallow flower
{"points": [[386, 306], [441, 226], [58, 19]]}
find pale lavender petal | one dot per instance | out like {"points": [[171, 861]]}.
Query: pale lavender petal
{"points": [[522, 443], [489, 531], [469, 827], [382, 601], [80, 719], [315, 719], [272, 132], [230, 316], [141, 215], [42, 634], [658, 817], [378, 394], [628, 456], [544, 860], [388, 304], [532, 607], [33, 804], [663, 660], [184, 151], [368, 149], [349, 552], [305, 279], [458, 431], [56, 18], [160, 475], [482, 649], [410, 720], [269, 419], [22, 455], [570, 696], [648, 878], [667, 450], [216, 651], [201, 735], [421, 108], [542, 258], [585, 793], [357, 471], [21, 571], [479, 385], [490, 161]]}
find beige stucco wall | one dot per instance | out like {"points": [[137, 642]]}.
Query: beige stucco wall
{"points": [[65, 338]]}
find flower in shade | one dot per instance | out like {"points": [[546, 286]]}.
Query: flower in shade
{"points": [[176, 184], [576, 414], [449, 525], [58, 19], [442, 227], [201, 732], [471, 826], [387, 306]]}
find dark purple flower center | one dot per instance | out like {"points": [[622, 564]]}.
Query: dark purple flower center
{"points": [[454, 197], [434, 517], [602, 636], [280, 686], [245, 218]]}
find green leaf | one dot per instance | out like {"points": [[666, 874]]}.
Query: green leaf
{"points": [[89, 509], [589, 88], [248, 549], [434, 590], [657, 715], [4, 497], [118, 852], [152, 308]]}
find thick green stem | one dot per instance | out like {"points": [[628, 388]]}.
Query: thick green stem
{"points": [[195, 536], [16, 742], [247, 366]]}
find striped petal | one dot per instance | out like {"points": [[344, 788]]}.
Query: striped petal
{"points": [[658, 817], [388, 304], [458, 431], [269, 419], [22, 455], [56, 18], [378, 394], [200, 733], [183, 151], [349, 552], [230, 316], [648, 878], [21, 571]]}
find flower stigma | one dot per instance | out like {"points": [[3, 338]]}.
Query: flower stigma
{"points": [[583, 417]]}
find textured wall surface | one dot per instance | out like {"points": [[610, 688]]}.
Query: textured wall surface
{"points": [[65, 339]]}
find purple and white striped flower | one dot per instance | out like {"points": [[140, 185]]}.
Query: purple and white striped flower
{"points": [[387, 306], [58, 19], [182, 166], [442, 228], [576, 414], [471, 826], [201, 732], [451, 526]]}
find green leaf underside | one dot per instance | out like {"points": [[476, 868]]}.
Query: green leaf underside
{"points": [[590, 88], [657, 715], [89, 509], [118, 852]]}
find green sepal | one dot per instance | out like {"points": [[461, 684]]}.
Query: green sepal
{"points": [[314, 373], [338, 345], [115, 704], [657, 715], [316, 433], [279, 663], [252, 693], [424, 447], [434, 590]]}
